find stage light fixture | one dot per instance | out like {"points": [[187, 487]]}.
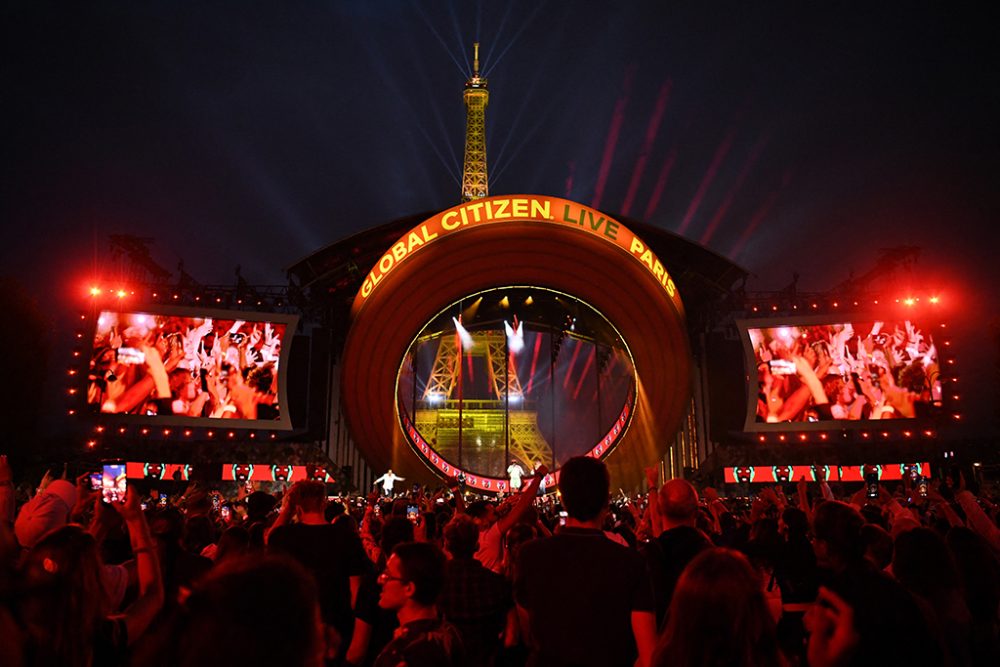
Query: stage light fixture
{"points": [[71, 412], [91, 443], [95, 291], [935, 299], [781, 437], [187, 434], [802, 437], [166, 431], [909, 301], [211, 434], [762, 438], [145, 431], [99, 429], [822, 436], [121, 293]]}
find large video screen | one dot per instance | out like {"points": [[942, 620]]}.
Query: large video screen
{"points": [[175, 366], [853, 371]]}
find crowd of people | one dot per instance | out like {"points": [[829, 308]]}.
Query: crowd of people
{"points": [[669, 577], [186, 367], [837, 372]]}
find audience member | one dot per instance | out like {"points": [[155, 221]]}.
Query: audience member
{"points": [[718, 616], [578, 580], [411, 584]]}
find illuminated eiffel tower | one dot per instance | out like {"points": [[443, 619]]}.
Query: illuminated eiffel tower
{"points": [[446, 411], [482, 419], [475, 184]]}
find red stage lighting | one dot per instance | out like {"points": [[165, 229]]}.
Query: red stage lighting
{"points": [[121, 293], [761, 438], [802, 437], [909, 301], [935, 299], [822, 436], [95, 291]]}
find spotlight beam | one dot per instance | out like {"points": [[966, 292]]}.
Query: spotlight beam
{"points": [[611, 142], [707, 179], [661, 183], [652, 130], [727, 201]]}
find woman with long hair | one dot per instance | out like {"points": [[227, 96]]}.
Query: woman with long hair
{"points": [[66, 613], [718, 616]]}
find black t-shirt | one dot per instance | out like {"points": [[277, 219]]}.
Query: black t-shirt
{"points": [[893, 628], [580, 589], [424, 643], [667, 556], [332, 553]]}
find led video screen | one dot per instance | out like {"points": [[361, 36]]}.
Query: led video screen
{"points": [[179, 366], [843, 372]]}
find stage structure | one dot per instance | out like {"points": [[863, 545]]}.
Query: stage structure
{"points": [[458, 310]]}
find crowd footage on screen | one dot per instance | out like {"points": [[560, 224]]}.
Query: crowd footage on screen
{"points": [[147, 364], [864, 370], [799, 575]]}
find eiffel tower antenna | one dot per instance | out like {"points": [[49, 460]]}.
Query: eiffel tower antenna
{"points": [[475, 183]]}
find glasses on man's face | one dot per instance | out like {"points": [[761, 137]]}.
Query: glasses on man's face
{"points": [[385, 576]]}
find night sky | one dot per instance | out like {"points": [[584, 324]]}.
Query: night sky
{"points": [[785, 136]]}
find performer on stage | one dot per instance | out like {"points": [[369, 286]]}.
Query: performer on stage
{"points": [[387, 481], [515, 472]]}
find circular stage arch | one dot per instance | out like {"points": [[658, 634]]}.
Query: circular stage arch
{"points": [[517, 240]]}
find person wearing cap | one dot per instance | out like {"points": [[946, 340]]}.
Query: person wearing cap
{"points": [[47, 511]]}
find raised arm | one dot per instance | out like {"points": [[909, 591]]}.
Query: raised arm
{"points": [[524, 501], [141, 613]]}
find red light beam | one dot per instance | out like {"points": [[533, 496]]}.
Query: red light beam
{"points": [[706, 181], [617, 119], [647, 145]]}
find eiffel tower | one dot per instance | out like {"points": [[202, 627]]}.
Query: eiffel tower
{"points": [[481, 418], [475, 184]]}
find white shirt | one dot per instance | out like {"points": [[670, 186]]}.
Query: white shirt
{"points": [[515, 472]]}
